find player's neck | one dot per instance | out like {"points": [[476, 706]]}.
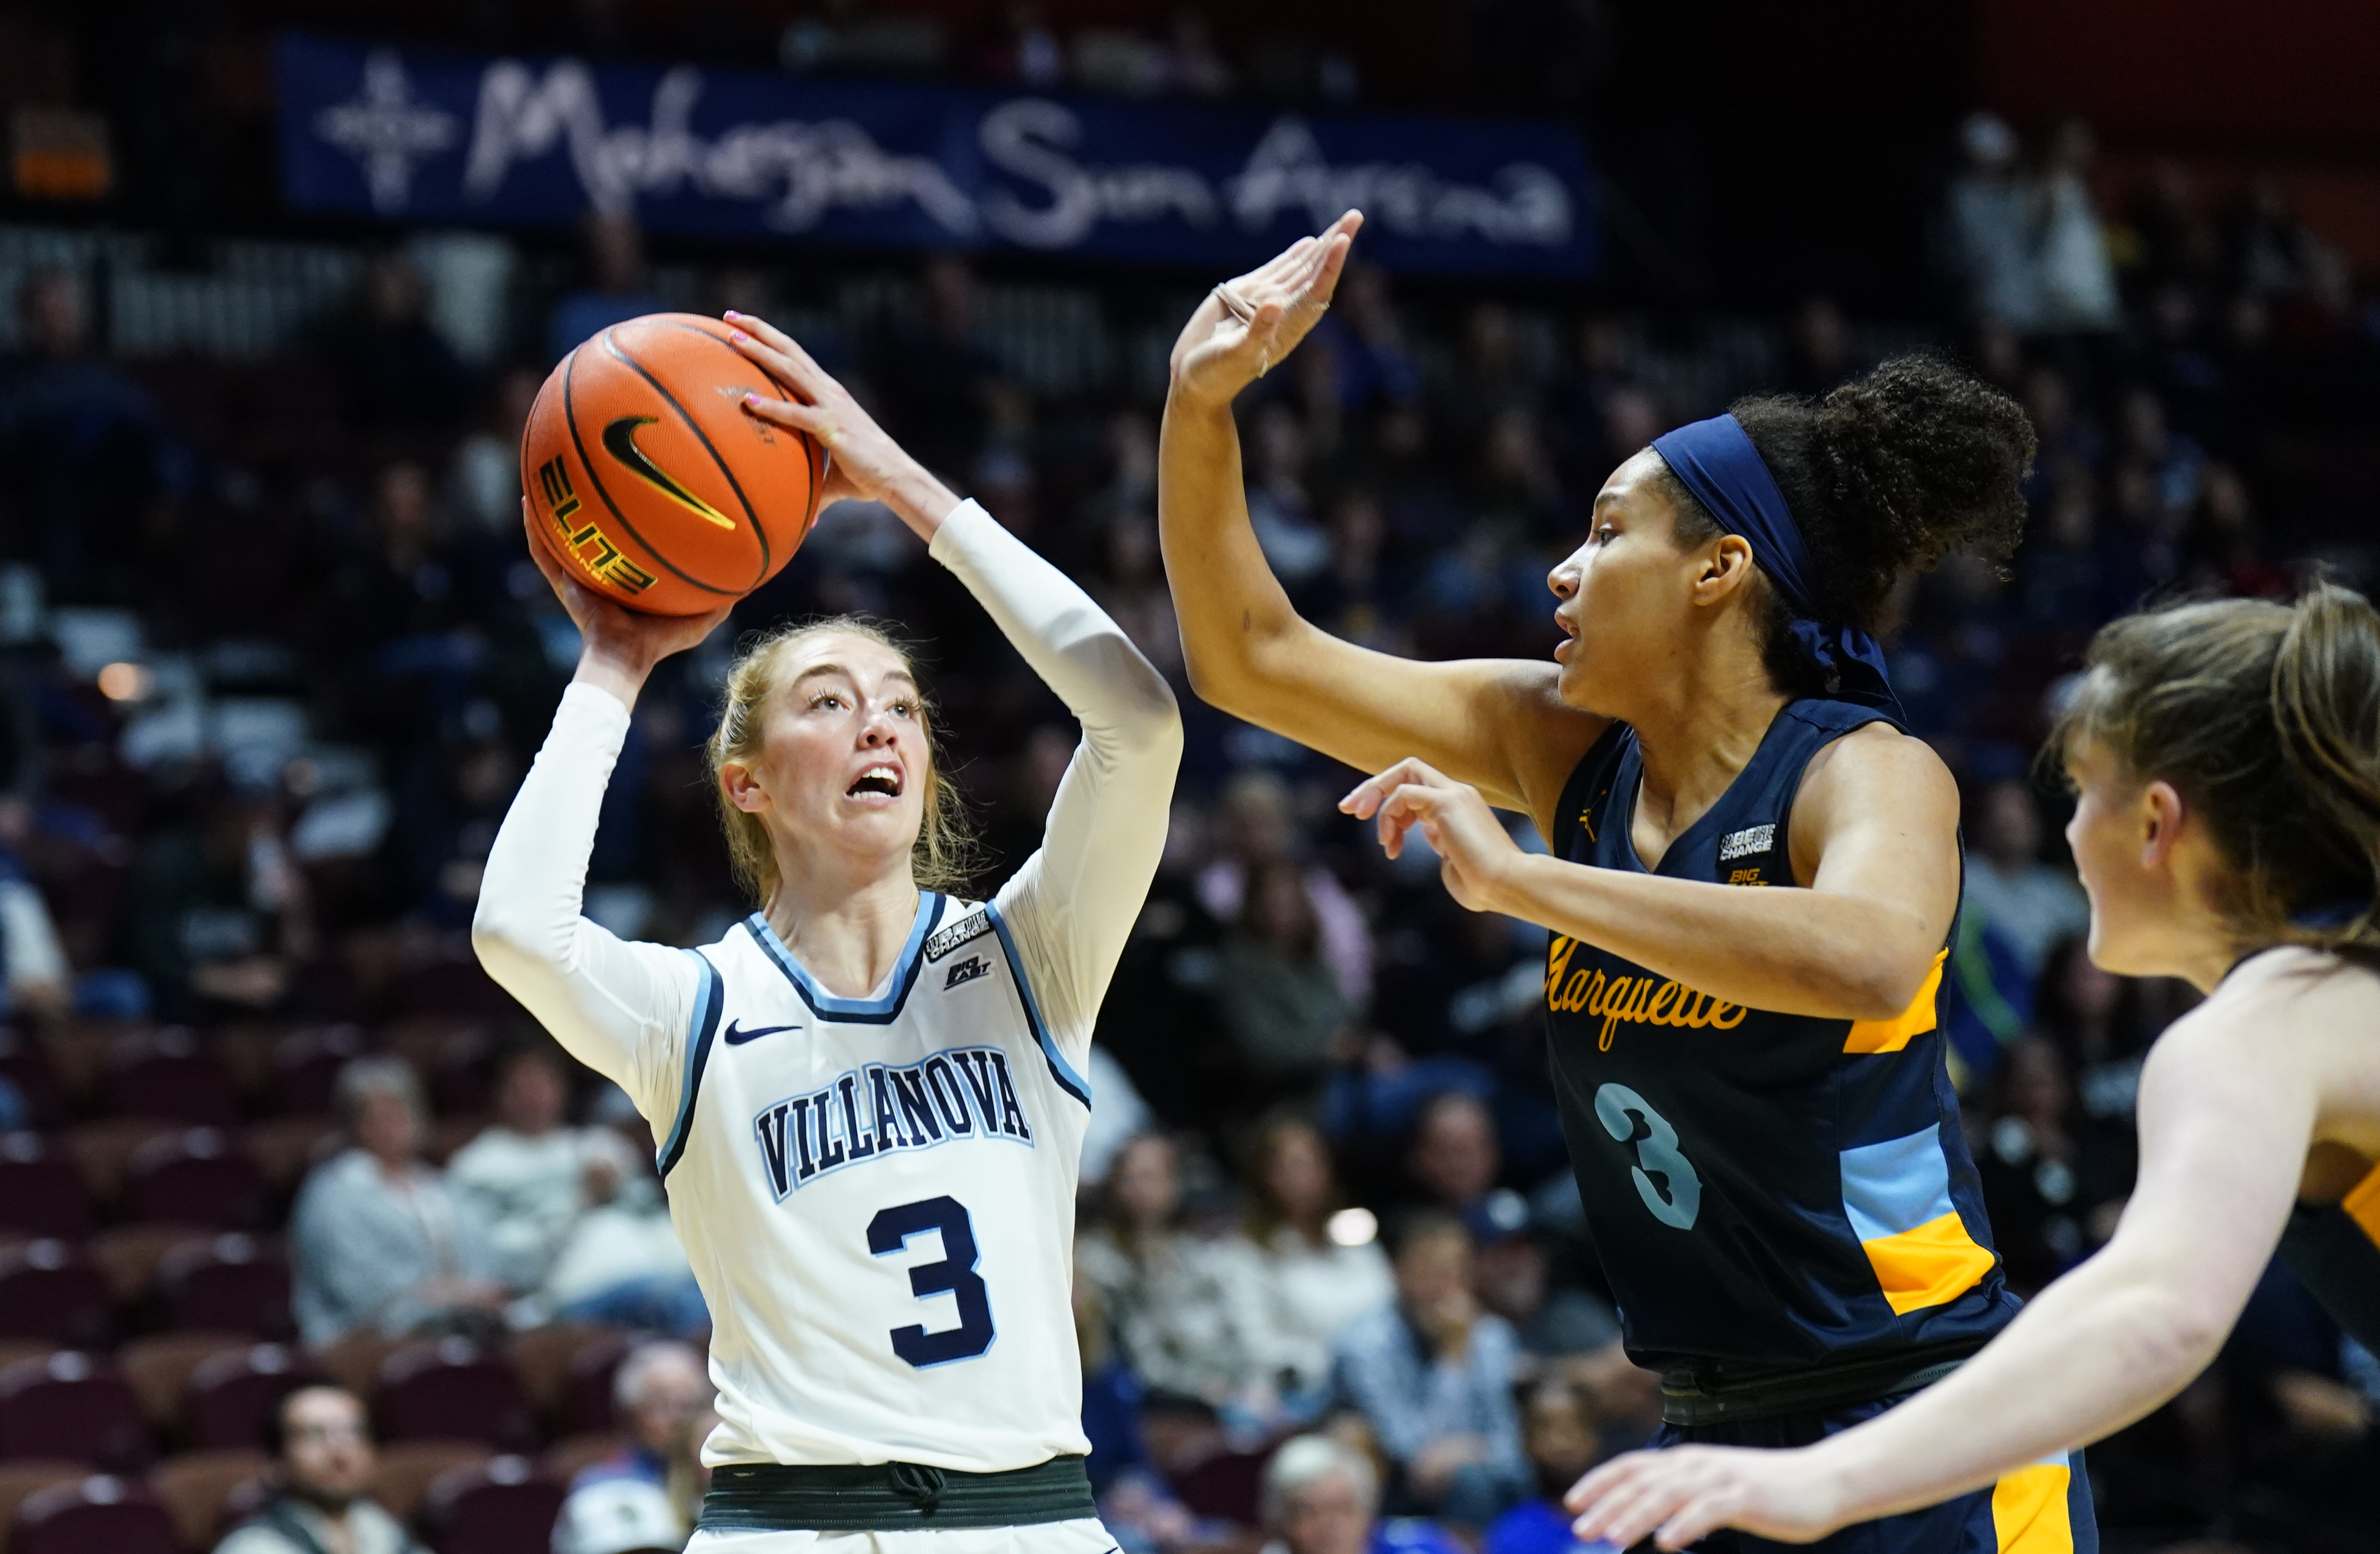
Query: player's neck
{"points": [[849, 935], [1699, 734]]}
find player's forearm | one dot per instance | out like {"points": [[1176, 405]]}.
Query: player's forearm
{"points": [[1232, 611], [2098, 1349], [1795, 952]]}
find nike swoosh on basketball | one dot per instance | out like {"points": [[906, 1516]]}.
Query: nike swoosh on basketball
{"points": [[736, 1036], [620, 441]]}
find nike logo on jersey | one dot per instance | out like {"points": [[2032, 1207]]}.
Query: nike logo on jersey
{"points": [[737, 1036], [620, 441], [967, 970], [962, 1093]]}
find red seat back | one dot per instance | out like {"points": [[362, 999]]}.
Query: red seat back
{"points": [[231, 1396], [40, 1192], [169, 1076], [233, 1283], [51, 1291], [497, 1506], [306, 1068], [73, 1405], [203, 1176], [99, 1513], [452, 1390]]}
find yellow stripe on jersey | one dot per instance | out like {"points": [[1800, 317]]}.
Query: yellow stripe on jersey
{"points": [[2029, 1515], [1892, 1036], [1936, 1263], [2362, 1205]]}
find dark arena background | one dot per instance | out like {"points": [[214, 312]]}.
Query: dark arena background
{"points": [[282, 281]]}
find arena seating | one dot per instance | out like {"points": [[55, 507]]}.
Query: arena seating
{"points": [[145, 1301]]}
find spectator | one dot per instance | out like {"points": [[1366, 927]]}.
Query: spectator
{"points": [[1322, 1496], [1298, 1273], [401, 374], [658, 1388], [2075, 279], [2027, 904], [619, 1516], [1257, 824], [1432, 1374], [1454, 1163], [1165, 1290], [531, 1178], [615, 289], [1990, 232], [1552, 1324], [322, 1469], [88, 456], [2044, 1189], [1280, 1003], [378, 1239], [33, 970], [1560, 1434]]}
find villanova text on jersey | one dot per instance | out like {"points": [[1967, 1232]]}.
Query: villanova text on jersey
{"points": [[1765, 1190], [958, 1094]]}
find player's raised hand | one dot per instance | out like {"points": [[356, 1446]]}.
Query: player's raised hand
{"points": [[1248, 326], [862, 461], [1476, 854], [618, 646], [1677, 1497]]}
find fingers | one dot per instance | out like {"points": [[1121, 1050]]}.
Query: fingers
{"points": [[798, 416], [1365, 797], [774, 338]]}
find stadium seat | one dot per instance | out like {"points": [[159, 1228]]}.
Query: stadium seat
{"points": [[71, 1404], [198, 1177], [407, 1468], [196, 1487], [354, 1359], [158, 1369], [306, 1067], [41, 1190], [103, 1151], [592, 1366], [285, 1149], [498, 1507], [543, 1356], [20, 1479], [130, 1256], [452, 1390], [1226, 1486], [53, 1292], [230, 1395], [450, 1054], [25, 1064], [564, 1458], [235, 1283], [99, 1513], [168, 1075]]}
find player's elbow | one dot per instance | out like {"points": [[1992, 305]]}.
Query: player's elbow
{"points": [[503, 943], [2173, 1332], [1883, 982]]}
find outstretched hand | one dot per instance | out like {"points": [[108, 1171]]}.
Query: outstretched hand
{"points": [[1247, 326], [618, 646], [1679, 1496], [862, 462], [1476, 854]]}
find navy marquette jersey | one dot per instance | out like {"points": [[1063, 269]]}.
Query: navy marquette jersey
{"points": [[1763, 1189], [2335, 1252]]}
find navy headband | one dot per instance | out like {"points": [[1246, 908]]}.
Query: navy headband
{"points": [[1716, 461]]}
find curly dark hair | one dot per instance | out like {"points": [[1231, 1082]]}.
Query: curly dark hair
{"points": [[1886, 475]]}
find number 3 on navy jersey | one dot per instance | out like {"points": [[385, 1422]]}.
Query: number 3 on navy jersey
{"points": [[954, 1275], [1663, 1179]]}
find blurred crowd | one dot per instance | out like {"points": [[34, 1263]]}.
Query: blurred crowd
{"points": [[273, 660]]}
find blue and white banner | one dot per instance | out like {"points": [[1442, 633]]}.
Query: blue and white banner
{"points": [[427, 136]]}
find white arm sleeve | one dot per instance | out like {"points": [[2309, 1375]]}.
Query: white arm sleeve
{"points": [[620, 1008], [1074, 903]]}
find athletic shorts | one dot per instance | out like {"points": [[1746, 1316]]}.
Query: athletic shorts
{"points": [[1086, 1537], [2043, 1509]]}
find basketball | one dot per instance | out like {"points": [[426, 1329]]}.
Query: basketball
{"points": [[650, 484]]}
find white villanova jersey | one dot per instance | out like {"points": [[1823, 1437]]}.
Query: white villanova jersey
{"points": [[878, 1198]]}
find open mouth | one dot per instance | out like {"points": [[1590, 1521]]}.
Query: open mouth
{"points": [[882, 781]]}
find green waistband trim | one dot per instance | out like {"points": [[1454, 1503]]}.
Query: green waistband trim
{"points": [[890, 1497]]}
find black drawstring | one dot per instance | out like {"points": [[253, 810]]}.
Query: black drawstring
{"points": [[919, 1484]]}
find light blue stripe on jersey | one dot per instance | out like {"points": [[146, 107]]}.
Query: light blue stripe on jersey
{"points": [[866, 1010], [1896, 1185], [709, 997], [1068, 1080]]}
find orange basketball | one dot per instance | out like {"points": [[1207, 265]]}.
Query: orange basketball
{"points": [[649, 482]]}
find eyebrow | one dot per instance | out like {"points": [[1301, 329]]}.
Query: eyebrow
{"points": [[838, 668]]}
